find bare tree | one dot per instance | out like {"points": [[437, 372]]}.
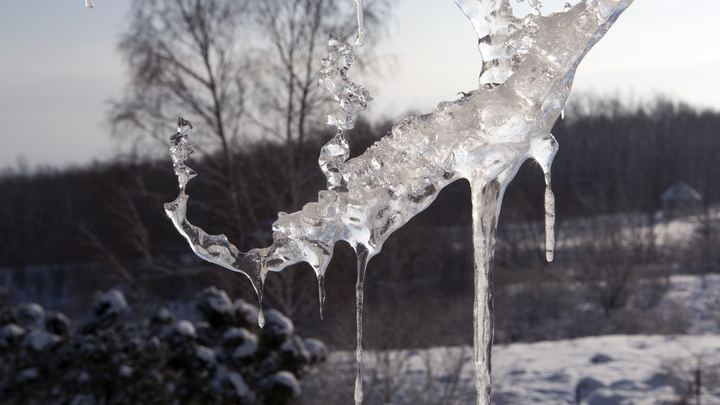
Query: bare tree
{"points": [[242, 71], [184, 56], [612, 257], [246, 71], [295, 39]]}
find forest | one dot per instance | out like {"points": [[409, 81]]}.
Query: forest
{"points": [[106, 221]]}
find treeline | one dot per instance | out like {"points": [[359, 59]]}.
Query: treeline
{"points": [[57, 216], [612, 159]]}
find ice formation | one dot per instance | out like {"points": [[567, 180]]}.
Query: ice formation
{"points": [[361, 27], [484, 137], [89, 3]]}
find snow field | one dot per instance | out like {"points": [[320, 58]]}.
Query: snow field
{"points": [[620, 369], [613, 369]]}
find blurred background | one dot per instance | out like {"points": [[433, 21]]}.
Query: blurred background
{"points": [[89, 97]]}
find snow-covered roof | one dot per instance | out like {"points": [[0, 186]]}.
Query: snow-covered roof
{"points": [[680, 191]]}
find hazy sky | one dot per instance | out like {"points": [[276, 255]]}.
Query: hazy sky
{"points": [[59, 67]]}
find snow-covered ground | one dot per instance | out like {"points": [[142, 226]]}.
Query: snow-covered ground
{"points": [[611, 370], [619, 370], [699, 299]]}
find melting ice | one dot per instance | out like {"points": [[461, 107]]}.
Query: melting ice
{"points": [[484, 137]]}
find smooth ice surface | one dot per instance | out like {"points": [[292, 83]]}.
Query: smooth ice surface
{"points": [[361, 28], [483, 137]]}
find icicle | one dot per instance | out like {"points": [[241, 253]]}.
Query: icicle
{"points": [[543, 150], [486, 209], [362, 261], [89, 3], [562, 113], [549, 219], [360, 40], [260, 292], [321, 293], [550, 148]]}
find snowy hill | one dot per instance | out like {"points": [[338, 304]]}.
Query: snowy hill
{"points": [[627, 369], [619, 370], [611, 370]]}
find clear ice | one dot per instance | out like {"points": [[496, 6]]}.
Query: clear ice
{"points": [[484, 137], [360, 40]]}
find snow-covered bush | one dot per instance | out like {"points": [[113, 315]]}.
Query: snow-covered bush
{"points": [[688, 376], [109, 360]]}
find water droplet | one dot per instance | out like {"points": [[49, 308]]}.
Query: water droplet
{"points": [[261, 318], [89, 3]]}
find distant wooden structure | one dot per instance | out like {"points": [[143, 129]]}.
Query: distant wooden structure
{"points": [[680, 200]]}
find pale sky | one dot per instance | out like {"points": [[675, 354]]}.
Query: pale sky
{"points": [[59, 67]]}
